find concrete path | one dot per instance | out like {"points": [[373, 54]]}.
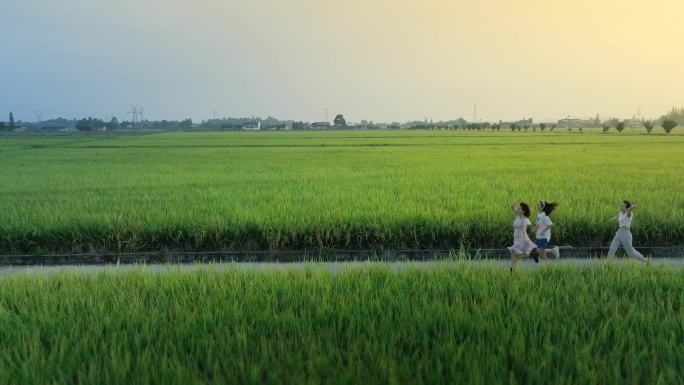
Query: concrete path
{"points": [[333, 266], [289, 256]]}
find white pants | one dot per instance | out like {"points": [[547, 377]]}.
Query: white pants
{"points": [[623, 238]]}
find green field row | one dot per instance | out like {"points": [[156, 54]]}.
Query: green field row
{"points": [[345, 189], [460, 324]]}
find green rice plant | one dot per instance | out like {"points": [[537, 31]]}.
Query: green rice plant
{"points": [[457, 323], [344, 189]]}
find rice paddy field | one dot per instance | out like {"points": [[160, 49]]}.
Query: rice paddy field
{"points": [[337, 190], [460, 324]]}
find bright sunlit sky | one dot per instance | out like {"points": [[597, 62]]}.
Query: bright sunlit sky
{"points": [[381, 60]]}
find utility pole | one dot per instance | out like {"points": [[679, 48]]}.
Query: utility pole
{"points": [[213, 113], [475, 113], [134, 113]]}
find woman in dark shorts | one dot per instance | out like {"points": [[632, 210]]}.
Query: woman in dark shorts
{"points": [[543, 227]]}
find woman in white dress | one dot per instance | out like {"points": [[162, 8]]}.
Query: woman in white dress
{"points": [[522, 244]]}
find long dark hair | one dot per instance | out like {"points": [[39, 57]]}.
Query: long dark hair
{"points": [[548, 207], [627, 203], [525, 208]]}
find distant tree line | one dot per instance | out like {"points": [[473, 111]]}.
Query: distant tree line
{"points": [[236, 123], [10, 123], [668, 121]]}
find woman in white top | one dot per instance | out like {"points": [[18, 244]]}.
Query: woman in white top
{"points": [[522, 244], [543, 227], [624, 236]]}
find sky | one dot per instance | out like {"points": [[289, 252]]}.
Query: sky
{"points": [[379, 60]]}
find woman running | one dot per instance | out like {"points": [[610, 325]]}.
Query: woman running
{"points": [[543, 234], [522, 245], [624, 236]]}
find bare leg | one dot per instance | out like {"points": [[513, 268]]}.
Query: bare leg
{"points": [[542, 253], [514, 259]]}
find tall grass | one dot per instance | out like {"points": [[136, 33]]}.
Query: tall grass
{"points": [[403, 189], [455, 325]]}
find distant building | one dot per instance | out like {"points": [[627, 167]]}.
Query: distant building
{"points": [[300, 125], [320, 125], [276, 127], [633, 123], [518, 123], [251, 126], [17, 127], [569, 123], [53, 128]]}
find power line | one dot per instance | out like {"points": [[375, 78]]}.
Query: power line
{"points": [[134, 112]]}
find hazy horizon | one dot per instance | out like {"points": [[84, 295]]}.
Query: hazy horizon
{"points": [[380, 60]]}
